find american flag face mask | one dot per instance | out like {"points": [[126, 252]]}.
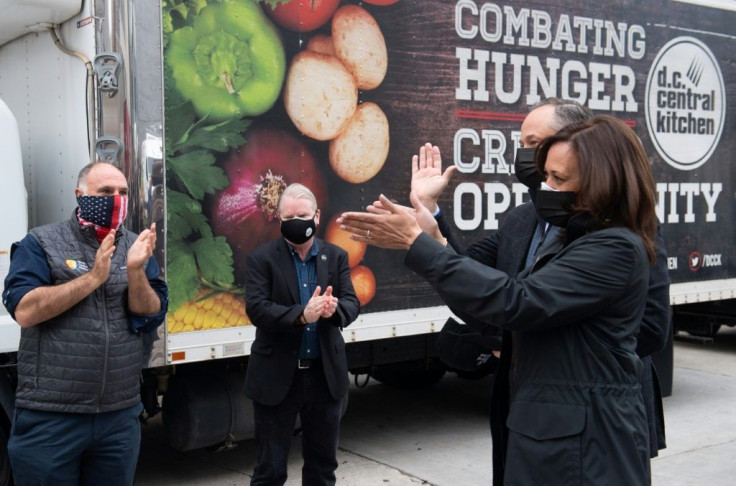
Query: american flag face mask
{"points": [[105, 213]]}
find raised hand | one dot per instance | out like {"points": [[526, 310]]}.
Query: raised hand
{"points": [[427, 179], [425, 219]]}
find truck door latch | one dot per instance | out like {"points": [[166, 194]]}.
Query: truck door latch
{"points": [[107, 66]]}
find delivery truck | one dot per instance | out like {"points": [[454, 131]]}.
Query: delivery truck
{"points": [[211, 107]]}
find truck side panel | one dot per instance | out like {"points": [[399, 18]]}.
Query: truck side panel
{"points": [[462, 75]]}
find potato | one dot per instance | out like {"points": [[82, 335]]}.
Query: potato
{"points": [[320, 95], [364, 283], [321, 43], [360, 151], [360, 45], [341, 238]]}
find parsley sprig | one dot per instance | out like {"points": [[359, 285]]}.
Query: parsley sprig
{"points": [[195, 256]]}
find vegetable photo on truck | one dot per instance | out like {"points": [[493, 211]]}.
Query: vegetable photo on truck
{"points": [[212, 107]]}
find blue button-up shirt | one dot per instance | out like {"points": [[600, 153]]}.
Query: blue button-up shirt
{"points": [[29, 269], [306, 274]]}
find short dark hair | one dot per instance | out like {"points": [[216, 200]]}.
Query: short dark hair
{"points": [[616, 183], [567, 112]]}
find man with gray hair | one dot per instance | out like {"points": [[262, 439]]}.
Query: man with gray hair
{"points": [[299, 296], [524, 237]]}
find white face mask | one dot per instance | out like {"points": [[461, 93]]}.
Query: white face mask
{"points": [[545, 187]]}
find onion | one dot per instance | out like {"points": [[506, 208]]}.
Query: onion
{"points": [[245, 212]]}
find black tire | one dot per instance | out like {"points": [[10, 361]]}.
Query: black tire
{"points": [[409, 376], [709, 332], [6, 477]]}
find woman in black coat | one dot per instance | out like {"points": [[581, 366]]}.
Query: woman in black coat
{"points": [[576, 414]]}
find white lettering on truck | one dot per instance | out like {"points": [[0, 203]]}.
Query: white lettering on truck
{"points": [[685, 100], [571, 79]]}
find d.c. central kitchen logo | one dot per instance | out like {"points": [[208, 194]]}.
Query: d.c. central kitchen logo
{"points": [[685, 103]]}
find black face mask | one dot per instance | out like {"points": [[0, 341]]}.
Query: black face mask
{"points": [[525, 169], [554, 206], [297, 230]]}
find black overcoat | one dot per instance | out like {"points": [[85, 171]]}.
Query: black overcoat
{"points": [[506, 250], [577, 416]]}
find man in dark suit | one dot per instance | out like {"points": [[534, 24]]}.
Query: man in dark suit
{"points": [[515, 245], [299, 297]]}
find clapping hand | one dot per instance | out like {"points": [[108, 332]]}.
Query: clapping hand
{"points": [[320, 305], [142, 249], [419, 211], [386, 225], [330, 303]]}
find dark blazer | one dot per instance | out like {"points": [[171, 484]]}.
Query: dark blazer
{"points": [[656, 326], [273, 305], [504, 249]]}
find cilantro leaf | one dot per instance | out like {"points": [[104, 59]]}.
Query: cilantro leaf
{"points": [[185, 216], [179, 115], [215, 260], [181, 274], [196, 171], [219, 137]]}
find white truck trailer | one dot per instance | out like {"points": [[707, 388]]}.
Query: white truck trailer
{"points": [[211, 106]]}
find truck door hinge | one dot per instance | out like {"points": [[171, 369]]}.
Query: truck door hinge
{"points": [[107, 66]]}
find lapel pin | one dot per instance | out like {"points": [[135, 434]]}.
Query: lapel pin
{"points": [[324, 258]]}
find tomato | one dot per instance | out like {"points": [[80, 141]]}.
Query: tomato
{"points": [[364, 283], [302, 15], [341, 238], [381, 2]]}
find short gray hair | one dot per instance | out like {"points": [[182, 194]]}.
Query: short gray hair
{"points": [[298, 191], [567, 112]]}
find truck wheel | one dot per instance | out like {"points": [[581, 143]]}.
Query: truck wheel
{"points": [[206, 406], [710, 331], [6, 477], [412, 375]]}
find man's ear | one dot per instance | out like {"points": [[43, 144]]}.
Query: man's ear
{"points": [[78, 192], [316, 217]]}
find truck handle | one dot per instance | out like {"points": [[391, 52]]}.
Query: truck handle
{"points": [[109, 149]]}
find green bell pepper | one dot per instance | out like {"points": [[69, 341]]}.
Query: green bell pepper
{"points": [[230, 62]]}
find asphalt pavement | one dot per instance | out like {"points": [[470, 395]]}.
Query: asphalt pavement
{"points": [[440, 436]]}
